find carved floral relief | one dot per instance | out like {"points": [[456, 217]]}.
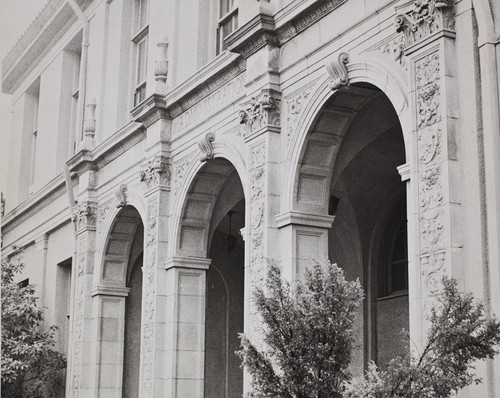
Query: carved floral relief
{"points": [[294, 108], [421, 18], [428, 91], [261, 112], [156, 173], [431, 188]]}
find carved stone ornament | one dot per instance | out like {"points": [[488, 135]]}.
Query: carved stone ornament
{"points": [[85, 215], [150, 294], [179, 171], [337, 69], [432, 270], [429, 144], [419, 19], [394, 49], [121, 196], [206, 146], [89, 124], [102, 214], [161, 64], [431, 189], [294, 107], [427, 72], [431, 230], [156, 173], [260, 112]]}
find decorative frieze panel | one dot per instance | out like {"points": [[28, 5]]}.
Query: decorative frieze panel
{"points": [[261, 112], [149, 286], [421, 18], [427, 72], [85, 215], [156, 173], [257, 214]]}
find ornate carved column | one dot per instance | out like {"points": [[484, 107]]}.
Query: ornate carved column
{"points": [[261, 116], [153, 375], [433, 181], [81, 363]]}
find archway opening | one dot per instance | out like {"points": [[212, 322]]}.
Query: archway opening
{"points": [[350, 157], [212, 217], [122, 274]]}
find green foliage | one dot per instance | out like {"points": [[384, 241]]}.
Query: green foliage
{"points": [[307, 333], [31, 367], [459, 334]]}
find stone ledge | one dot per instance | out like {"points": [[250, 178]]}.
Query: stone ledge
{"points": [[109, 291], [187, 262], [307, 219]]}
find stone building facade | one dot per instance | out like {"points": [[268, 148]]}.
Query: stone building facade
{"points": [[162, 152]]}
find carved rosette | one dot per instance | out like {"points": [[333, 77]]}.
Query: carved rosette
{"points": [[261, 112], [149, 275], [85, 215], [156, 173], [294, 107], [421, 18]]}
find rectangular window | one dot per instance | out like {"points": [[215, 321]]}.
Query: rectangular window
{"points": [[62, 303], [75, 94], [141, 45], [228, 22]]}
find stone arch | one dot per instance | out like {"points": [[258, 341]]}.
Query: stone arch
{"points": [[117, 319], [372, 69], [109, 213], [197, 196]]}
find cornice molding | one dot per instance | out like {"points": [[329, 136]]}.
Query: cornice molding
{"points": [[36, 201], [50, 25]]}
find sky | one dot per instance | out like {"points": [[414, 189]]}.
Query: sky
{"points": [[15, 17]]}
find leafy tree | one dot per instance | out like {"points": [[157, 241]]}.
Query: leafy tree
{"points": [[460, 333], [307, 333], [31, 367]]}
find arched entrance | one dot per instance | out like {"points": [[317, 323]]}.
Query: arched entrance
{"points": [[348, 168], [120, 303], [212, 216]]}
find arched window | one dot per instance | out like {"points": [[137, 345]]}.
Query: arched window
{"points": [[393, 270]]}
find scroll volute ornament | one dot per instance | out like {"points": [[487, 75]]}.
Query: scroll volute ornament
{"points": [[419, 19], [337, 69], [206, 146]]}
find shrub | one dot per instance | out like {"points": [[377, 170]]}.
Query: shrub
{"points": [[460, 333], [31, 367], [307, 333]]}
